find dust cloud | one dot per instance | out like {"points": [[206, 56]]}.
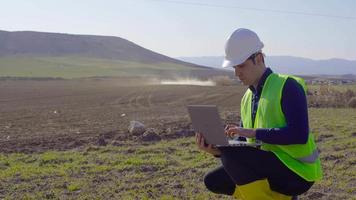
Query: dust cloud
{"points": [[188, 82]]}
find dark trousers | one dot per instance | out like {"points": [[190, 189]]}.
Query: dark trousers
{"points": [[243, 165]]}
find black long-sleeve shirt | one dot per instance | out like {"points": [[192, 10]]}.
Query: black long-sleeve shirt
{"points": [[294, 107]]}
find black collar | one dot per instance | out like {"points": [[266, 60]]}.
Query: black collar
{"points": [[261, 82]]}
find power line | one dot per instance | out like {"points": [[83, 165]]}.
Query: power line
{"points": [[258, 9]]}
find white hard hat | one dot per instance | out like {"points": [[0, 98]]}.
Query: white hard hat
{"points": [[241, 45]]}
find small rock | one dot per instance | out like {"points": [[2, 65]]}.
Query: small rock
{"points": [[150, 135], [91, 148], [148, 168], [322, 137], [178, 186], [116, 143], [136, 128], [102, 142], [50, 195], [185, 133], [331, 157], [158, 185], [123, 115], [74, 144], [168, 131], [130, 151], [316, 195]]}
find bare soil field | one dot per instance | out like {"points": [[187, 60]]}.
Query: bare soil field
{"points": [[42, 115], [55, 123]]}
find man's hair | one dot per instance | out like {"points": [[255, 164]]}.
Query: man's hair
{"points": [[253, 56]]}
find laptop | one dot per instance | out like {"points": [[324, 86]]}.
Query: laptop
{"points": [[206, 120]]}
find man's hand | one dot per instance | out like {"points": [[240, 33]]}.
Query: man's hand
{"points": [[233, 130], [209, 148]]}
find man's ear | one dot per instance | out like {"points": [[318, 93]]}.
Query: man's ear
{"points": [[259, 58]]}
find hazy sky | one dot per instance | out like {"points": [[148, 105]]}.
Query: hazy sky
{"points": [[197, 27]]}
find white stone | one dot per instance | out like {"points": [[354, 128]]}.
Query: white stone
{"points": [[136, 128]]}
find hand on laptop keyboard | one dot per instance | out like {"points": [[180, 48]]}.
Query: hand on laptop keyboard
{"points": [[231, 130], [235, 131]]}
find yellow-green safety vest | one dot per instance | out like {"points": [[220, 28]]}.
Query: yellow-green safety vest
{"points": [[303, 159]]}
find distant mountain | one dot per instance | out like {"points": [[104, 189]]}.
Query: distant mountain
{"points": [[40, 54], [290, 64]]}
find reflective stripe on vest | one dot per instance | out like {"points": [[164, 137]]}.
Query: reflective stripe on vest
{"points": [[311, 158]]}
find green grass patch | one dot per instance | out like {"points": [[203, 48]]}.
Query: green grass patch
{"points": [[172, 169], [78, 67]]}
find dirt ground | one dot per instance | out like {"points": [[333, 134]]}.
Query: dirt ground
{"points": [[38, 116], [64, 114]]}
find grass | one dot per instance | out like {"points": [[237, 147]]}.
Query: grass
{"points": [[340, 88], [120, 172], [331, 95], [336, 135], [169, 169], [78, 67]]}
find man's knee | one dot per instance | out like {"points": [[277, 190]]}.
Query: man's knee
{"points": [[233, 164], [238, 167]]}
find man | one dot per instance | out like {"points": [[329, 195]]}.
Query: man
{"points": [[273, 111]]}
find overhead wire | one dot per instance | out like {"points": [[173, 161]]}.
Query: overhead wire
{"points": [[258, 9]]}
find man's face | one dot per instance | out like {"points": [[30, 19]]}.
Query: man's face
{"points": [[246, 72]]}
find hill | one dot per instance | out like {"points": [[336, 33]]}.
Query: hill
{"points": [[290, 64], [39, 54]]}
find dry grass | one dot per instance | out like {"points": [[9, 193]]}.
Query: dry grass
{"points": [[325, 96]]}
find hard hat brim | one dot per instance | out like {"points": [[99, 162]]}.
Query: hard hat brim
{"points": [[231, 63]]}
